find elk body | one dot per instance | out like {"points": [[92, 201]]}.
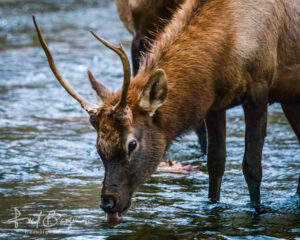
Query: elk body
{"points": [[211, 56], [144, 19]]}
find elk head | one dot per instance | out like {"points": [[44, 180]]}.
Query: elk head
{"points": [[129, 142]]}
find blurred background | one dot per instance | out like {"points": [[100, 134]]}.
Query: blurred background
{"points": [[48, 159]]}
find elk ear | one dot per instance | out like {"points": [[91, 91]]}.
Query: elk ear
{"points": [[154, 92], [102, 91]]}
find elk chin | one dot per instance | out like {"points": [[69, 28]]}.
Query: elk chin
{"points": [[113, 216]]}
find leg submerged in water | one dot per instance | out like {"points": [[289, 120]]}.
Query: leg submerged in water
{"points": [[292, 113], [216, 129], [256, 122]]}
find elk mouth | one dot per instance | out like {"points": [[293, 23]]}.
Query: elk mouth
{"points": [[115, 216]]}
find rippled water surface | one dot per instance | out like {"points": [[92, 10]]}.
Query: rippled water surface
{"points": [[48, 161]]}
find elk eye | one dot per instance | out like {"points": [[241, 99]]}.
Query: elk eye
{"points": [[131, 146]]}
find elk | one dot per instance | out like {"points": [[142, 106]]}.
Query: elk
{"points": [[212, 56], [144, 19]]}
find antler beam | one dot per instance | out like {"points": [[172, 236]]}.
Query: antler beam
{"points": [[89, 107], [126, 68]]}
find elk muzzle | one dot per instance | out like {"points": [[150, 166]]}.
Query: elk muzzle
{"points": [[115, 194]]}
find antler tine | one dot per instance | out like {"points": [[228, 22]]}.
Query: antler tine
{"points": [[126, 68], [89, 107]]}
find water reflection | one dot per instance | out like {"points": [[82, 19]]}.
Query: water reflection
{"points": [[47, 147]]}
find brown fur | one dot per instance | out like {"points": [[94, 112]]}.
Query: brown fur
{"points": [[215, 55], [146, 17], [206, 58]]}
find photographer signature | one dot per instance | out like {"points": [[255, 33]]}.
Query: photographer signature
{"points": [[50, 220]]}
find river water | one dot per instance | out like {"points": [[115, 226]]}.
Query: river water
{"points": [[51, 175]]}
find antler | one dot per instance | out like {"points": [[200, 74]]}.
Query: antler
{"points": [[89, 107], [126, 68]]}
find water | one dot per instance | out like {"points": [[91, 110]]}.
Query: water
{"points": [[49, 163]]}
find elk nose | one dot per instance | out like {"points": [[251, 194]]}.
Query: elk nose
{"points": [[107, 203]]}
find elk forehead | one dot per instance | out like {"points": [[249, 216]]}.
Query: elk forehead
{"points": [[114, 125], [108, 141]]}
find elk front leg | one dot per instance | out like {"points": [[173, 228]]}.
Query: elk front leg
{"points": [[202, 136], [216, 128], [292, 113], [256, 123]]}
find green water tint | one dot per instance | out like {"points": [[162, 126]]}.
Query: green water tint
{"points": [[48, 159]]}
